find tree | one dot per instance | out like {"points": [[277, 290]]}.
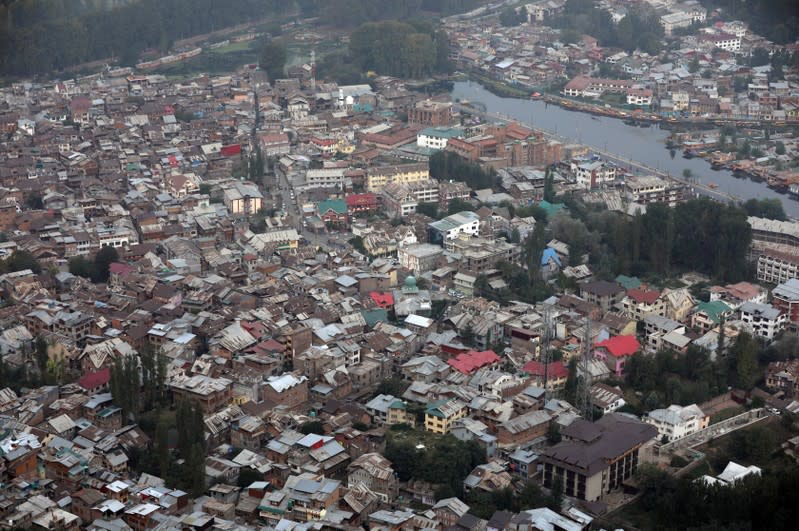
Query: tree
{"points": [[81, 267], [392, 386], [273, 60], [459, 205], [102, 261], [428, 209], [553, 433], [570, 389], [746, 351], [313, 426], [21, 260], [512, 17], [693, 66], [779, 148], [196, 466], [162, 447], [556, 496], [549, 185]]}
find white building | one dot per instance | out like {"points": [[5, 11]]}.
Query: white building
{"points": [[676, 422], [437, 137], [594, 173], [243, 198], [419, 257], [777, 267], [764, 320], [325, 177], [453, 226], [639, 96]]}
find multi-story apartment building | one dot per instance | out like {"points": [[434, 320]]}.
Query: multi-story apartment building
{"points": [[442, 414], [765, 320], [785, 297], [777, 267], [594, 459], [379, 176]]}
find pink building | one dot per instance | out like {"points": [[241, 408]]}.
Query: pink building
{"points": [[615, 352]]}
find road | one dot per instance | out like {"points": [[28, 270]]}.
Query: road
{"points": [[291, 205], [631, 165]]}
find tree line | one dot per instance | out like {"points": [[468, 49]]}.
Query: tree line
{"points": [[445, 166], [351, 13], [769, 501], [697, 235], [640, 28], [446, 463], [412, 49], [68, 36]]}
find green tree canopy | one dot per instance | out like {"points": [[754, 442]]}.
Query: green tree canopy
{"points": [[273, 60]]}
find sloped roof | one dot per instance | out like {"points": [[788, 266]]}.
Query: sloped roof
{"points": [[620, 345], [468, 362]]}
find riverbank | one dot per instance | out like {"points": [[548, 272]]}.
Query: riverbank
{"points": [[636, 114], [645, 146]]}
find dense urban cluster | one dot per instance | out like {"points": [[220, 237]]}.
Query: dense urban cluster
{"points": [[252, 301]]}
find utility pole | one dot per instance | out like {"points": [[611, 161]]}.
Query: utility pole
{"points": [[584, 403], [546, 351]]}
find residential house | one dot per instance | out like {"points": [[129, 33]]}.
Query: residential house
{"points": [[615, 352], [602, 293], [639, 303], [676, 422], [523, 429], [785, 298], [606, 399], [783, 376], [440, 415], [375, 472], [708, 315], [764, 320]]}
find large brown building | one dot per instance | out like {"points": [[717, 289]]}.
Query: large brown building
{"points": [[209, 393], [596, 457], [288, 391], [430, 113]]}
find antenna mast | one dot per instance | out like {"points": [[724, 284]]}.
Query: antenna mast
{"points": [[584, 401], [546, 351]]}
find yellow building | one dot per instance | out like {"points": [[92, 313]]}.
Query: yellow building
{"points": [[379, 176], [398, 414], [442, 414]]}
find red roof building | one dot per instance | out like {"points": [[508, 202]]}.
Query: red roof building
{"points": [[469, 362], [557, 370], [382, 300], [643, 296], [615, 351], [94, 382], [229, 151], [361, 203]]}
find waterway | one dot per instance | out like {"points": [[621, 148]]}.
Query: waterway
{"points": [[644, 144]]}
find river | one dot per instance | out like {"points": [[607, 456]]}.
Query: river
{"points": [[646, 145]]}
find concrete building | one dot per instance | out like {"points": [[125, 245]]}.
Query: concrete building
{"points": [[437, 137], [453, 226], [374, 471], [379, 176], [764, 320], [243, 199], [440, 415], [676, 422], [785, 298], [419, 257], [777, 267], [595, 458]]}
